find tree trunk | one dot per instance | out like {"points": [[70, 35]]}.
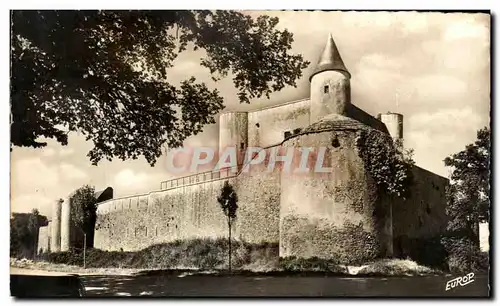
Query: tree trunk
{"points": [[229, 225]]}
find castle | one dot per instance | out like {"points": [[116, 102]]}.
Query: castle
{"points": [[341, 214]]}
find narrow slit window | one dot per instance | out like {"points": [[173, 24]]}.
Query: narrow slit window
{"points": [[326, 89], [242, 146]]}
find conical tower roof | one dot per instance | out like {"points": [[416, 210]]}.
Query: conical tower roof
{"points": [[330, 59]]}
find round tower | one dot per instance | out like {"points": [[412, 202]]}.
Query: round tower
{"points": [[394, 124], [330, 84], [65, 224], [55, 240], [233, 132], [336, 213]]}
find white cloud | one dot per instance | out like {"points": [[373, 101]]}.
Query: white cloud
{"points": [[26, 202], [467, 28], [48, 152], [129, 178], [446, 120], [72, 172], [440, 88], [34, 173], [436, 135], [66, 151], [36, 184], [380, 61], [414, 22]]}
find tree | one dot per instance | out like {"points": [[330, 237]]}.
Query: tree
{"points": [[228, 201], [471, 177], [468, 201], [104, 74], [83, 211], [22, 234], [33, 227]]}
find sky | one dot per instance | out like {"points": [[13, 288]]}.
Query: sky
{"points": [[433, 68]]}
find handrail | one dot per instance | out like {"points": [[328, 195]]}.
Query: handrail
{"points": [[217, 173]]}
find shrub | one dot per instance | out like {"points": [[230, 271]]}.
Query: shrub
{"points": [[464, 255], [194, 253], [313, 264]]}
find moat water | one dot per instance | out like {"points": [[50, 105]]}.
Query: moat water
{"points": [[281, 286]]}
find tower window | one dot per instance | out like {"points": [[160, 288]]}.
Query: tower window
{"points": [[326, 88], [335, 142], [242, 146]]}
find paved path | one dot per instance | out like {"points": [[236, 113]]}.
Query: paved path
{"points": [[297, 286]]}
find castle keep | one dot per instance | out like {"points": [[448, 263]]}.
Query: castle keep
{"points": [[341, 214]]}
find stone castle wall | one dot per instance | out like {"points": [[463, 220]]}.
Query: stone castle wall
{"points": [[136, 222], [44, 234], [419, 220], [266, 127], [346, 221], [191, 211], [334, 215]]}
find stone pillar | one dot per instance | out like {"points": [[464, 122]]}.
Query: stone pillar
{"points": [[394, 124], [233, 133], [55, 241], [65, 225]]}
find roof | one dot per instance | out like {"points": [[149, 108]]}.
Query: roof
{"points": [[104, 194], [330, 59]]}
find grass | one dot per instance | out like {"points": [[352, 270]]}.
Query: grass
{"points": [[211, 255], [201, 254], [395, 267]]}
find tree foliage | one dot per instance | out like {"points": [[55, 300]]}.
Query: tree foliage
{"points": [[228, 200], [24, 233], [468, 200], [470, 194], [83, 211], [387, 161], [105, 74]]}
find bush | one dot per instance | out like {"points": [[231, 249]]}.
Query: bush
{"points": [[195, 253], [313, 264], [395, 267], [464, 255]]}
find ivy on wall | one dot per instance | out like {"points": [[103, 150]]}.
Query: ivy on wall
{"points": [[387, 161]]}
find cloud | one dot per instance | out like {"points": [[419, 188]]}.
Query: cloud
{"points": [[468, 27], [442, 87], [436, 135], [66, 151], [34, 173], [128, 181], [72, 172], [48, 152], [26, 202], [380, 61], [36, 183]]}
